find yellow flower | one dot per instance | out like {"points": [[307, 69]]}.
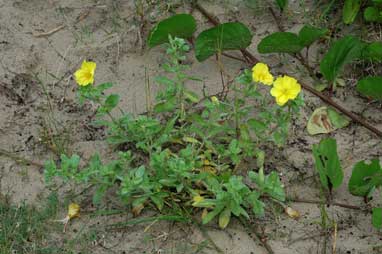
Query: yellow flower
{"points": [[73, 210], [197, 199], [85, 75], [285, 88], [260, 73], [215, 100]]}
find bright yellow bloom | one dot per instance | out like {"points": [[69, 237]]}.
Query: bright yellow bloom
{"points": [[260, 73], [197, 199], [85, 75], [73, 210], [285, 88], [215, 100]]}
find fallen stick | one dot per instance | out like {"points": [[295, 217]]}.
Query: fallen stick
{"points": [[19, 159]]}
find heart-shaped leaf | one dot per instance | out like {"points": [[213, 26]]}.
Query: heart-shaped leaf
{"points": [[371, 87], [340, 53], [280, 42], [364, 178], [227, 36], [309, 34], [180, 25]]}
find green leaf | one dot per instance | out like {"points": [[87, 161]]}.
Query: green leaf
{"points": [[364, 178], [371, 87], [50, 170], [111, 101], [280, 42], [257, 126], [212, 214], [165, 106], [227, 36], [327, 163], [376, 218], [340, 53], [373, 52], [193, 97], [99, 194], [158, 201], [338, 120], [350, 11], [309, 34], [372, 14], [180, 25], [282, 4], [274, 187], [224, 218]]}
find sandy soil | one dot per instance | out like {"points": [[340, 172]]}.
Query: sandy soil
{"points": [[35, 66]]}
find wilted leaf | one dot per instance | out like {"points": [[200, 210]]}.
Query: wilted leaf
{"points": [[180, 25], [73, 210], [227, 36], [294, 214], [325, 120], [319, 122]]}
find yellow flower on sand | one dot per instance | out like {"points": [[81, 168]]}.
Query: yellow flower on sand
{"points": [[215, 100], [85, 75], [260, 73], [197, 199], [285, 88], [73, 210]]}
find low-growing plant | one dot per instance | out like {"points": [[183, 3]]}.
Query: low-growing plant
{"points": [[189, 154]]}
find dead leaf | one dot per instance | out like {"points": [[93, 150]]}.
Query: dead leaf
{"points": [[294, 214]]}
